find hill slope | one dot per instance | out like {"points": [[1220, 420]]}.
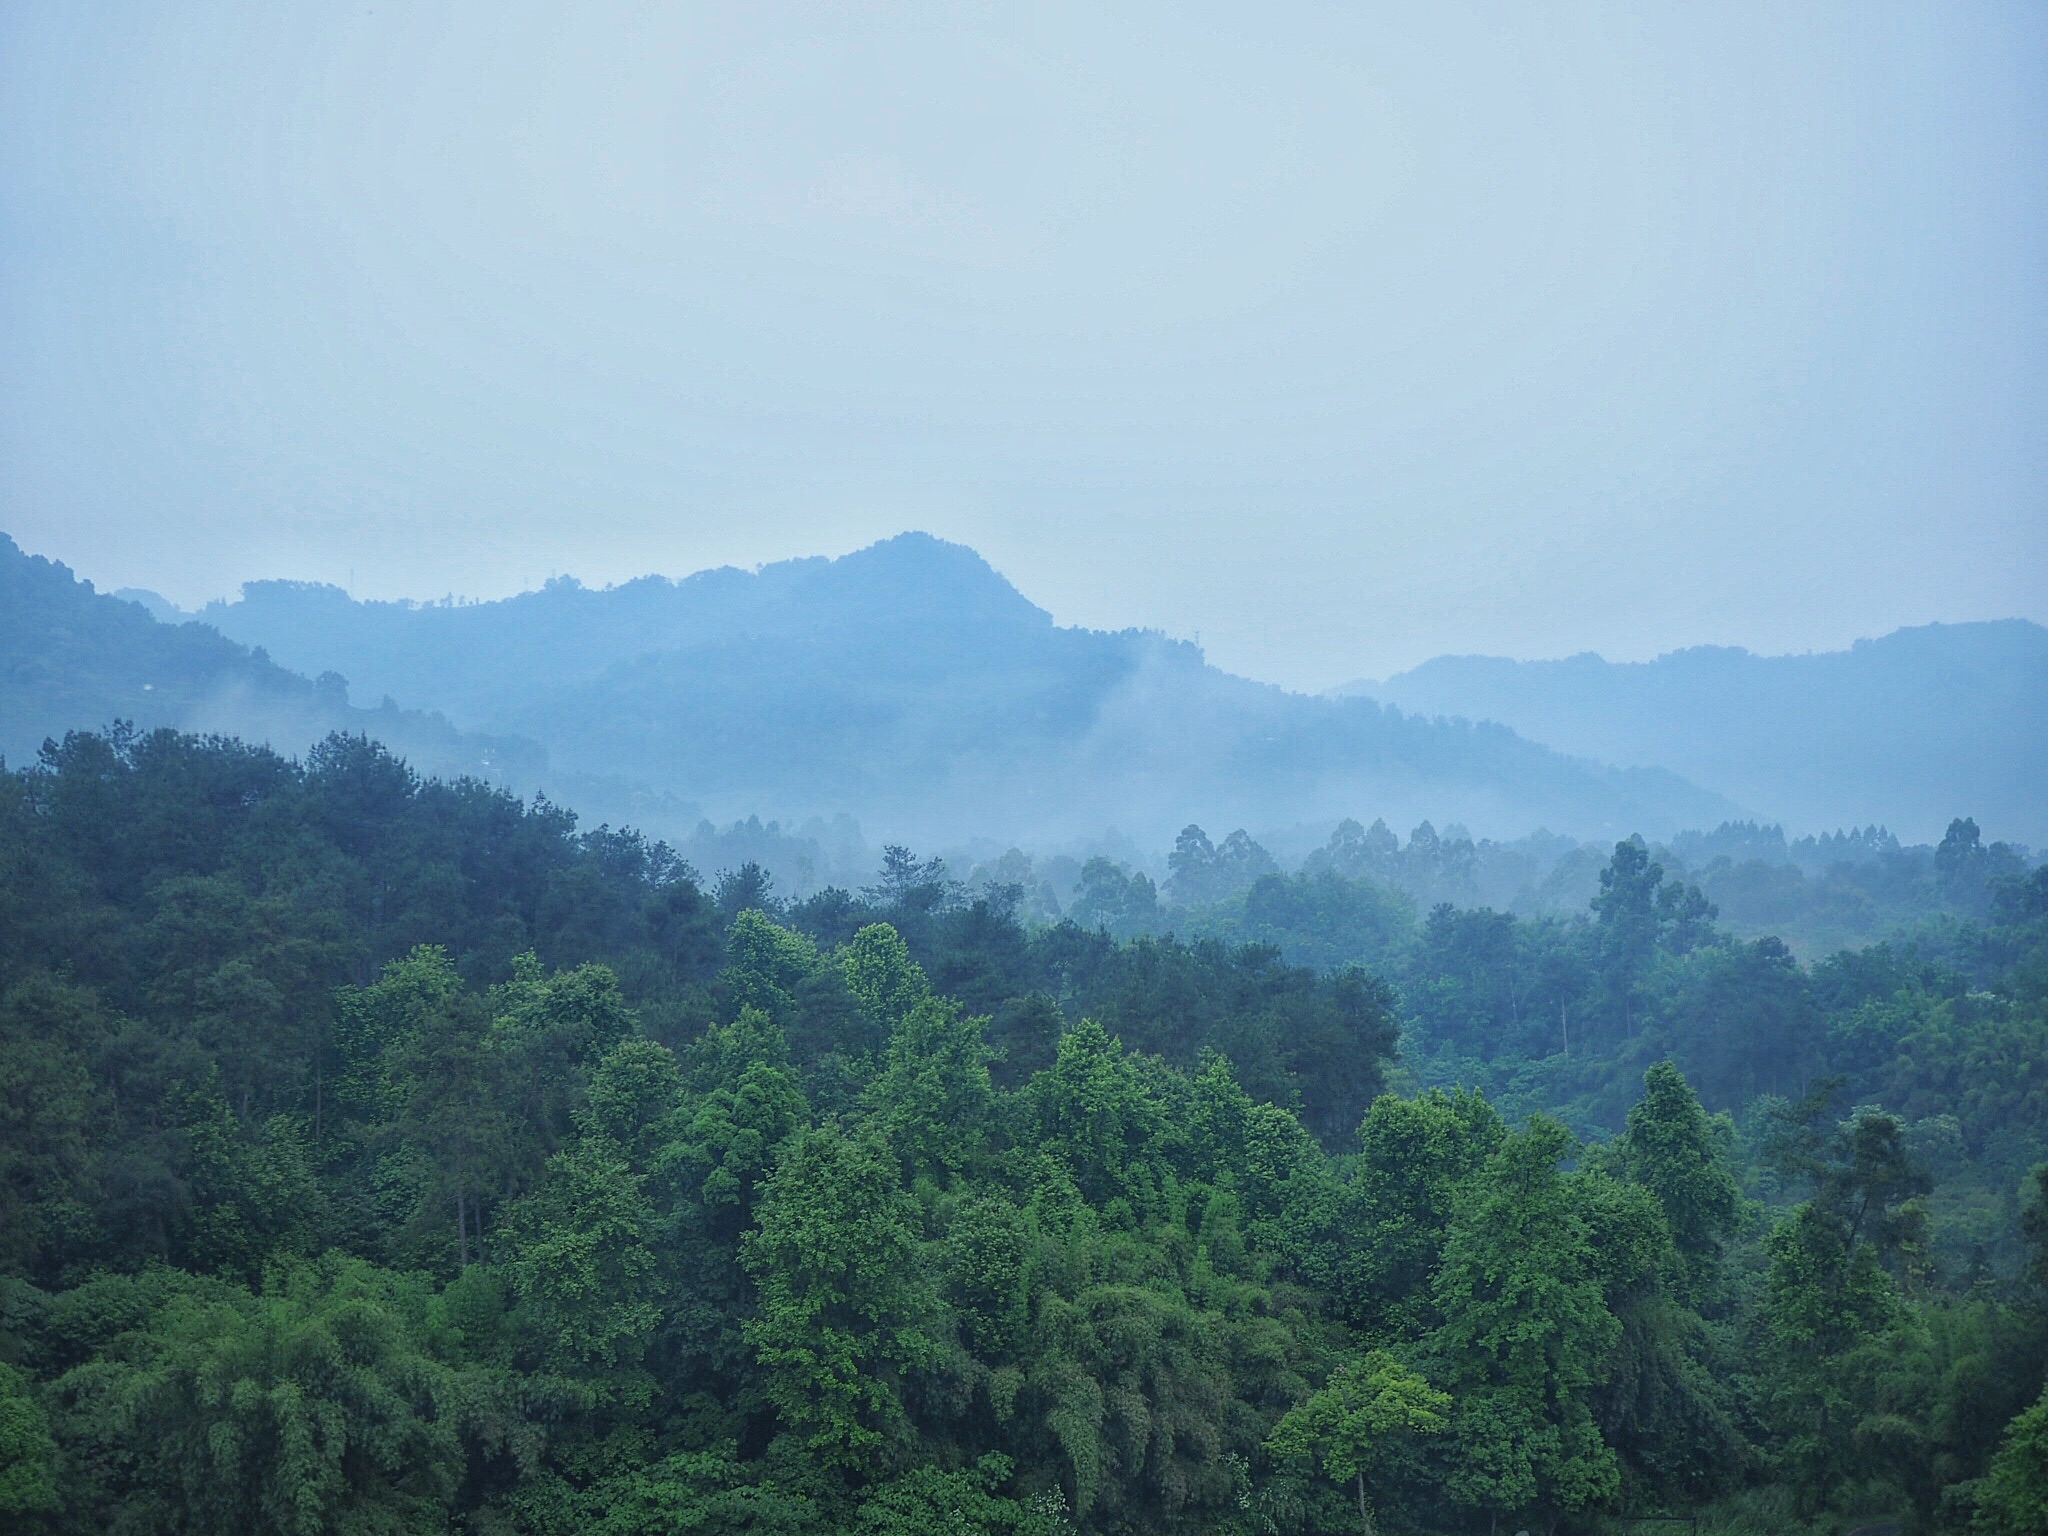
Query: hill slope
{"points": [[1909, 730], [911, 685], [75, 659]]}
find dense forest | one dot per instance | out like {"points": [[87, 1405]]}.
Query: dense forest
{"points": [[384, 1154]]}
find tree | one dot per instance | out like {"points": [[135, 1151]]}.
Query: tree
{"points": [[1418, 1155], [750, 888], [454, 1113], [987, 1251], [547, 1030], [702, 1493], [912, 892], [1193, 866], [633, 1097], [1114, 900], [1672, 1149], [928, 1501], [1344, 1428], [54, 1123], [1095, 1115], [312, 1409], [28, 1456], [842, 1296], [418, 1062], [1626, 912], [1827, 1292], [882, 977], [1961, 851], [1525, 1333], [1748, 1024], [1204, 872], [742, 1103], [767, 966], [934, 1101], [2012, 1500], [1358, 853], [576, 1251]]}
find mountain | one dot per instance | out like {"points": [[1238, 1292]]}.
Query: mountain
{"points": [[1907, 731], [72, 658], [912, 686]]}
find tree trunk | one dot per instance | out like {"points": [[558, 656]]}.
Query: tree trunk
{"points": [[461, 1228]]}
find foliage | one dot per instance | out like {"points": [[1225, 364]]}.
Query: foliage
{"points": [[384, 1155], [2012, 1499], [1344, 1429]]}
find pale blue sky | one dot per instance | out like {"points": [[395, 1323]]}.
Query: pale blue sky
{"points": [[1342, 334]]}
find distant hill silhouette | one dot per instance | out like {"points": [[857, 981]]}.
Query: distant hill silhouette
{"points": [[1908, 731], [912, 686], [75, 659]]}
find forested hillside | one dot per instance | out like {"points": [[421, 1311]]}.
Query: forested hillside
{"points": [[71, 657], [1903, 731], [384, 1154], [913, 688]]}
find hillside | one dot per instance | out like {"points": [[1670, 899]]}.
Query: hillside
{"points": [[912, 686], [1906, 731], [75, 659]]}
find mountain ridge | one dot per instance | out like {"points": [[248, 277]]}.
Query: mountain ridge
{"points": [[910, 685], [1908, 729]]}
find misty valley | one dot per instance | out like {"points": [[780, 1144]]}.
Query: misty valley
{"points": [[906, 769], [826, 1049]]}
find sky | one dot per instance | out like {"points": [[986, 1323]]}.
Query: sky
{"points": [[1337, 336]]}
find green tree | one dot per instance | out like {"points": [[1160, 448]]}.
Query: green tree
{"points": [[843, 1299], [577, 1254], [1626, 917], [2012, 1499], [1345, 1428], [1417, 1155], [882, 977], [1526, 1330], [312, 1409], [54, 1124], [1095, 1114], [28, 1456], [742, 1102], [1674, 1150], [988, 1281], [929, 1501], [633, 1098], [1113, 899], [700, 1493], [767, 966], [547, 1031], [934, 1100], [452, 1107]]}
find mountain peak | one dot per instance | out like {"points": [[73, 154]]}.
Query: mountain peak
{"points": [[918, 575]]}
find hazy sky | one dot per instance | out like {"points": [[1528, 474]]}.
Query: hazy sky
{"points": [[1342, 334]]}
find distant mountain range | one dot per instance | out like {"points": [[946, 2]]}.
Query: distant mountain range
{"points": [[910, 686], [913, 687], [1907, 731]]}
